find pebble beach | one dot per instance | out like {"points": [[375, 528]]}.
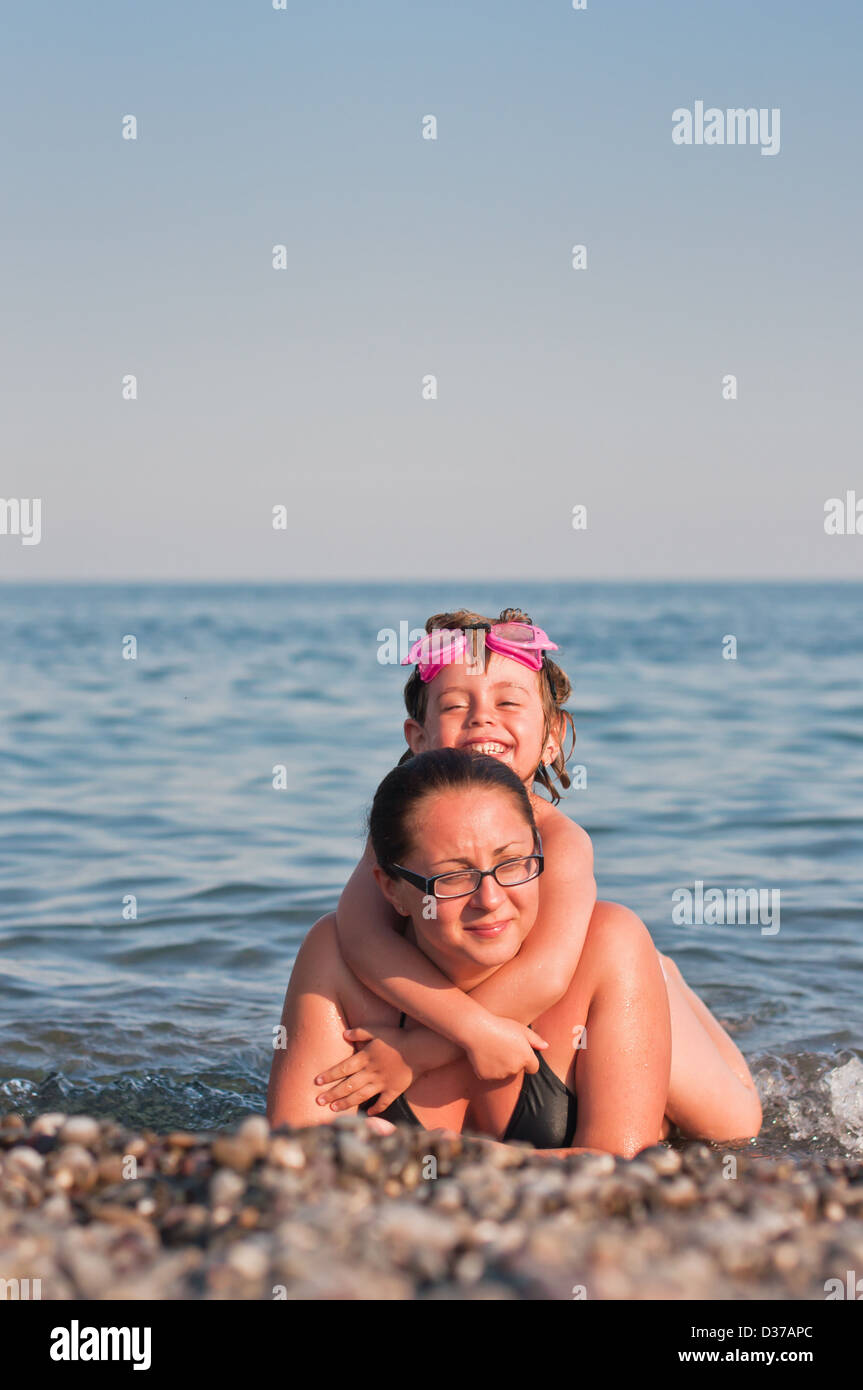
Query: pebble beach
{"points": [[94, 1210]]}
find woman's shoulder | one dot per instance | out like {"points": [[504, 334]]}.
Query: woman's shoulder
{"points": [[319, 958]]}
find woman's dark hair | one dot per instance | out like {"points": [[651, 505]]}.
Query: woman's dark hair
{"points": [[442, 769], [555, 690]]}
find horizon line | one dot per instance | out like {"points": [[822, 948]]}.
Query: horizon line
{"points": [[432, 579]]}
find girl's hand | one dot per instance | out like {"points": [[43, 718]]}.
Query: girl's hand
{"points": [[377, 1068], [503, 1047]]}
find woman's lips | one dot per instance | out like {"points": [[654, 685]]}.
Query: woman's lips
{"points": [[489, 931]]}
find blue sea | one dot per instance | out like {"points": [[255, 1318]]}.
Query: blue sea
{"points": [[152, 779]]}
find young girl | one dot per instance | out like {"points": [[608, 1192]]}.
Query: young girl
{"points": [[492, 687]]}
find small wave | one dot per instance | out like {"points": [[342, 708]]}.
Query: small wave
{"points": [[811, 1104], [158, 1101]]}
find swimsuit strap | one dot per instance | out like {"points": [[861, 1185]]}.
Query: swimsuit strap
{"points": [[402, 1018]]}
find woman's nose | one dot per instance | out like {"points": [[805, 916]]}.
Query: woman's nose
{"points": [[489, 894]]}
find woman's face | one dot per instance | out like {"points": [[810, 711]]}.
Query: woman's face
{"points": [[477, 828], [498, 711]]}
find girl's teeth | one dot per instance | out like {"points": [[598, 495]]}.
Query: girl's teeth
{"points": [[489, 748]]}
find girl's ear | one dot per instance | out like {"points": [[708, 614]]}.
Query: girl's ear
{"points": [[415, 736], [554, 742]]}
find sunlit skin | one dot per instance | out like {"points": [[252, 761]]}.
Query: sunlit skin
{"points": [[617, 993], [470, 936], [499, 711]]}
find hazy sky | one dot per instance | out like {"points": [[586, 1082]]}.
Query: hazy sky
{"points": [[407, 257]]}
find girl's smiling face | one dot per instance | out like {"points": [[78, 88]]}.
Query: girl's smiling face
{"points": [[498, 712]]}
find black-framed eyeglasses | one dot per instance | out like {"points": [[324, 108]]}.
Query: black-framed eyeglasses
{"points": [[461, 883]]}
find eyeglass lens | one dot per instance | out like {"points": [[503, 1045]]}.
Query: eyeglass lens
{"points": [[508, 875]]}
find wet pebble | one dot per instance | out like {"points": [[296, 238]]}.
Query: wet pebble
{"points": [[334, 1212], [80, 1129]]}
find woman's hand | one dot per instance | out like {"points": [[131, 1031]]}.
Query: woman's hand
{"points": [[502, 1047], [379, 1067]]}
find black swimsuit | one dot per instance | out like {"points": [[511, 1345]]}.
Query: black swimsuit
{"points": [[544, 1115]]}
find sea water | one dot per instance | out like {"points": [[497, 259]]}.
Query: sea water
{"points": [[173, 821]]}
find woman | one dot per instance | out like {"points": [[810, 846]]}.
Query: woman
{"points": [[459, 857]]}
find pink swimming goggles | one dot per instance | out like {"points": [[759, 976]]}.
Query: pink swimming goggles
{"points": [[442, 647]]}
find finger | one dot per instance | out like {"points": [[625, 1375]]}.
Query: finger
{"points": [[364, 1093], [351, 1064], [383, 1102], [358, 1035], [535, 1040], [347, 1090], [532, 1063]]}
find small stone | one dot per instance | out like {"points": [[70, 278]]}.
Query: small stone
{"points": [[22, 1159], [180, 1139], [469, 1267], [226, 1187], [286, 1153], [356, 1155], [680, 1192], [248, 1259], [80, 1129], [410, 1175], [786, 1257], [49, 1124], [665, 1162], [235, 1153], [594, 1165], [57, 1209], [110, 1169], [408, 1226], [640, 1172], [136, 1146], [182, 1224], [255, 1132], [91, 1272], [446, 1197], [19, 1191], [126, 1217], [72, 1166]]}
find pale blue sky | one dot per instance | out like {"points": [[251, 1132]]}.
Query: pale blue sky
{"points": [[408, 257]]}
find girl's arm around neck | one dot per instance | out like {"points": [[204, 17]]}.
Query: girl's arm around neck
{"points": [[369, 936]]}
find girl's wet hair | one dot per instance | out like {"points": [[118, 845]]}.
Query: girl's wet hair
{"points": [[440, 770], [555, 690]]}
